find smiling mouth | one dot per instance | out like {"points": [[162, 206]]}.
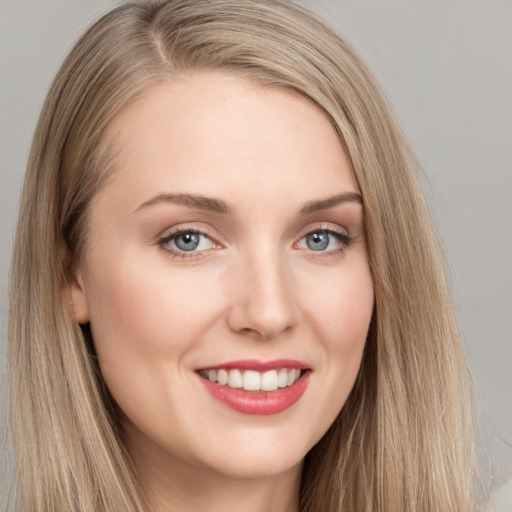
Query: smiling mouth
{"points": [[257, 387], [252, 380]]}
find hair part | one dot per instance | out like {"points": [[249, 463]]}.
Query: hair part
{"points": [[403, 440]]}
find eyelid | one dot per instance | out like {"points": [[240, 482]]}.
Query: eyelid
{"points": [[179, 229], [323, 226], [186, 228], [345, 240]]}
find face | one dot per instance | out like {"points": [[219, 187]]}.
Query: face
{"points": [[226, 276]]}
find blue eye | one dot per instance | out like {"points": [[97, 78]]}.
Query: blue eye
{"points": [[324, 240], [318, 241], [187, 241]]}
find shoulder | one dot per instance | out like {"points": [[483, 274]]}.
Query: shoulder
{"points": [[501, 500]]}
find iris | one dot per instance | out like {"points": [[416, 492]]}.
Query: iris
{"points": [[187, 241], [318, 241]]}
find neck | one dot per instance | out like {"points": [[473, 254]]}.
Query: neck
{"points": [[220, 494]]}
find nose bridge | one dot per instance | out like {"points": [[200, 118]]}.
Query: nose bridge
{"points": [[264, 300]]}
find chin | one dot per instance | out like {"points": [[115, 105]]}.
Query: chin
{"points": [[261, 467], [266, 456]]}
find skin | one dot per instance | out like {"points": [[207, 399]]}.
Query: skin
{"points": [[253, 289]]}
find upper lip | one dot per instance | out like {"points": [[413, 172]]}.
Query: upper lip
{"points": [[257, 365]]}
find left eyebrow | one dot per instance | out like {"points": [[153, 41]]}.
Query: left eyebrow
{"points": [[190, 201], [324, 204]]}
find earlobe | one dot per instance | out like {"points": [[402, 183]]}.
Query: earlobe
{"points": [[78, 298], [74, 295]]}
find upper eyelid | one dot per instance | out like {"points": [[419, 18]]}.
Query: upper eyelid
{"points": [[164, 240], [202, 229], [322, 226], [176, 252], [185, 228]]}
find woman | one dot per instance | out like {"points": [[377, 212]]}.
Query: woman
{"points": [[226, 290]]}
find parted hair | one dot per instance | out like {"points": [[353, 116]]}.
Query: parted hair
{"points": [[404, 439]]}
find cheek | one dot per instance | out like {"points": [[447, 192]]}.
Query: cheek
{"points": [[347, 318], [349, 330], [145, 320], [148, 307], [340, 313], [341, 308]]}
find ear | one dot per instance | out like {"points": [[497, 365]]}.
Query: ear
{"points": [[74, 295], [78, 298]]}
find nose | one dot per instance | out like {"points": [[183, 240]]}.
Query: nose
{"points": [[263, 300]]}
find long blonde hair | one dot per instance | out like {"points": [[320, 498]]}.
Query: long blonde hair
{"points": [[404, 439]]}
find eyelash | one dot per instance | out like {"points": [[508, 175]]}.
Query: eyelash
{"points": [[342, 236], [163, 243], [345, 240]]}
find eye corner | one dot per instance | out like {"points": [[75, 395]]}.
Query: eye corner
{"points": [[323, 240], [194, 244]]}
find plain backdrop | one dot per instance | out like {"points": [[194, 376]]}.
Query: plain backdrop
{"points": [[446, 67]]}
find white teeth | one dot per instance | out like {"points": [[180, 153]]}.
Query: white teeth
{"points": [[269, 381], [222, 377], [235, 379], [282, 378], [251, 380], [293, 375]]}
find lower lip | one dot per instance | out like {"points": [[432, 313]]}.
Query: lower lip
{"points": [[258, 402]]}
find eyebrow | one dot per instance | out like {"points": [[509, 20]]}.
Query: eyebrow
{"points": [[190, 201], [324, 204], [220, 206]]}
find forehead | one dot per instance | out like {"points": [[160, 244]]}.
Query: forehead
{"points": [[218, 134]]}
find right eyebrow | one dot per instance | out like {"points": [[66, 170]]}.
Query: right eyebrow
{"points": [[190, 201], [324, 204]]}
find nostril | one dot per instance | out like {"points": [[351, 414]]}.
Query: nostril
{"points": [[264, 306]]}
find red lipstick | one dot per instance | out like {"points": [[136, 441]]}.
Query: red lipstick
{"points": [[258, 402]]}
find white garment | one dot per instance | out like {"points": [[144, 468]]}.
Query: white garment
{"points": [[501, 500]]}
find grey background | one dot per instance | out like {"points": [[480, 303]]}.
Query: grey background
{"points": [[447, 70]]}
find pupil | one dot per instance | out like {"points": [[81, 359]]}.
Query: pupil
{"points": [[187, 241], [317, 241]]}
